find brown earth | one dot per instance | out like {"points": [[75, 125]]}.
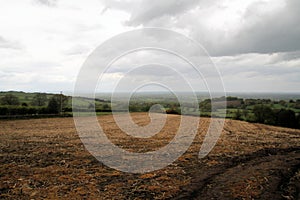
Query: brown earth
{"points": [[44, 158]]}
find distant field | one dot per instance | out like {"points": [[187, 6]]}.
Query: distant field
{"points": [[44, 158], [22, 96], [285, 113], [27, 97]]}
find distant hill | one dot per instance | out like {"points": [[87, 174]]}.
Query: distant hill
{"points": [[27, 97]]}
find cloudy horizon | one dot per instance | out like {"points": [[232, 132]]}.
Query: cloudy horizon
{"points": [[255, 44]]}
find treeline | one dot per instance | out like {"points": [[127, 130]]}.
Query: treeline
{"points": [[278, 117], [278, 113], [22, 110], [170, 107], [266, 111], [40, 104]]}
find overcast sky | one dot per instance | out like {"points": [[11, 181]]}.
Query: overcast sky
{"points": [[254, 43]]}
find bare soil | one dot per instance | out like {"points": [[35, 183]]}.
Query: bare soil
{"points": [[45, 159]]}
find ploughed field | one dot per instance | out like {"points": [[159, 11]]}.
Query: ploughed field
{"points": [[44, 158]]}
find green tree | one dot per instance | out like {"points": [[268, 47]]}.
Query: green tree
{"points": [[57, 103], [39, 99], [133, 108], [9, 99], [53, 106], [287, 118], [106, 106], [245, 113], [298, 120], [205, 106], [237, 115], [264, 114]]}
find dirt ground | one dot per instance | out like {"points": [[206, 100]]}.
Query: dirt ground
{"points": [[44, 158]]}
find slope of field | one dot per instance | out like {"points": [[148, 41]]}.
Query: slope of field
{"points": [[44, 158]]}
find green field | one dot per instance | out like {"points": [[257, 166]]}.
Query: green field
{"points": [[274, 112]]}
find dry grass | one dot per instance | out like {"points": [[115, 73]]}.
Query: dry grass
{"points": [[44, 158]]}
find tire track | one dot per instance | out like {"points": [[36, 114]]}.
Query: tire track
{"points": [[274, 169]]}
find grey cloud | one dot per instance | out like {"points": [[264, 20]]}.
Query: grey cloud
{"points": [[284, 57], [150, 10], [50, 3], [7, 44], [144, 11], [77, 50], [126, 5], [278, 32], [275, 31], [259, 65], [290, 56], [261, 32]]}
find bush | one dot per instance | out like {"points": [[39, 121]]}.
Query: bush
{"points": [[39, 99], [4, 111], [173, 111], [53, 106], [287, 118], [237, 115], [9, 99], [264, 114], [21, 110]]}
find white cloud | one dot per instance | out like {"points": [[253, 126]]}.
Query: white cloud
{"points": [[261, 72], [47, 41], [255, 43]]}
